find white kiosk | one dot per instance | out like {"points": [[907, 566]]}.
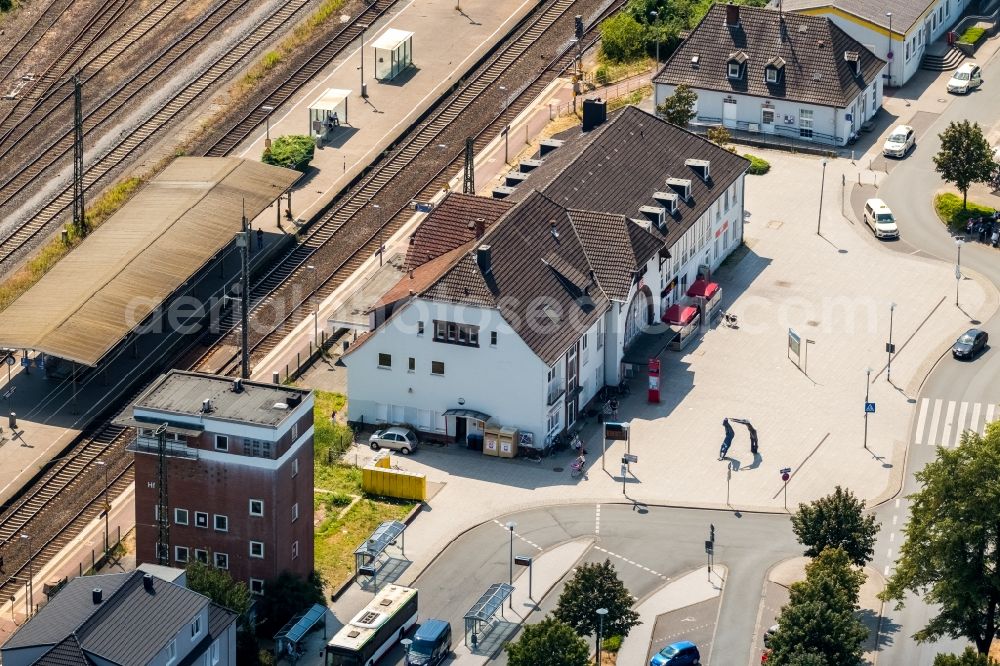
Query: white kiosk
{"points": [[393, 53], [327, 113]]}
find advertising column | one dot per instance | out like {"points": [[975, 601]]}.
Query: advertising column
{"points": [[654, 380]]}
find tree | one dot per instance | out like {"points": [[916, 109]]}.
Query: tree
{"points": [[548, 643], [965, 157], [294, 151], [719, 135], [820, 618], [678, 109], [596, 586], [949, 556], [219, 586], [285, 596], [623, 39], [836, 520], [968, 658]]}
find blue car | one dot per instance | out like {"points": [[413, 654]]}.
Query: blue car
{"points": [[681, 653]]}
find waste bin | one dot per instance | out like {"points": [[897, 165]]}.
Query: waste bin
{"points": [[508, 442], [491, 443], [474, 442]]}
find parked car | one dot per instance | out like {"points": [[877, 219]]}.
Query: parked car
{"points": [[966, 78], [398, 439], [681, 653], [880, 219], [771, 631], [899, 142], [971, 343], [431, 644]]}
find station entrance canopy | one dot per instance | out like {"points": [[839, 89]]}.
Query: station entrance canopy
{"points": [[93, 298]]}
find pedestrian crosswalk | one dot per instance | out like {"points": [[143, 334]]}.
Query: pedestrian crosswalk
{"points": [[942, 422]]}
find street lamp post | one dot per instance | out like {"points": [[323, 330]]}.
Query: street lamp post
{"points": [[889, 348], [888, 54], [511, 526], [655, 16], [506, 128], [819, 218], [30, 599], [601, 612], [364, 86], [868, 375], [958, 267], [107, 506], [267, 125]]}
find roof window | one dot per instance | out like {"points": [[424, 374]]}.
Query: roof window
{"points": [[736, 61], [701, 166], [668, 199], [682, 186]]}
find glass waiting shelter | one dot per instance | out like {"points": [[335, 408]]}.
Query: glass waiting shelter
{"points": [[328, 112], [393, 53]]}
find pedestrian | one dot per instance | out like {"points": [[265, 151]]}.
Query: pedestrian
{"points": [[260, 238], [727, 440], [753, 438], [614, 408]]}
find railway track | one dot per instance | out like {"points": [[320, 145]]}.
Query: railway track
{"points": [[138, 136], [70, 474], [21, 47]]}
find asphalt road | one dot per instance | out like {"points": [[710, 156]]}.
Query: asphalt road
{"points": [[668, 541], [955, 390]]}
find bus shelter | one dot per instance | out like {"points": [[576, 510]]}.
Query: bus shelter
{"points": [[287, 640], [328, 112], [371, 556], [393, 53], [482, 617]]}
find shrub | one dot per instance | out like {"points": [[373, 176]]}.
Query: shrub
{"points": [[720, 136], [292, 152], [758, 166], [972, 35], [338, 499], [948, 206], [623, 39], [612, 644], [601, 76]]}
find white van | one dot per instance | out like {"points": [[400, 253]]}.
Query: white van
{"points": [[880, 219]]}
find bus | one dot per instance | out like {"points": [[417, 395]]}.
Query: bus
{"points": [[372, 632]]}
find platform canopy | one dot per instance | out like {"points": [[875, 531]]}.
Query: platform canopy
{"points": [[393, 53], [93, 298]]}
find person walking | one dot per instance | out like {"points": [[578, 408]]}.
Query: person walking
{"points": [[727, 440]]}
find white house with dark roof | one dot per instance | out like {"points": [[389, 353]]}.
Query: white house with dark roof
{"points": [[523, 324], [782, 74], [912, 24]]}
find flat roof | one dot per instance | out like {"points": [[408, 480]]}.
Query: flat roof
{"points": [[181, 392], [331, 100], [94, 296], [391, 38]]}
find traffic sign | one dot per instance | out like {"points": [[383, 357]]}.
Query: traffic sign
{"points": [[615, 431], [786, 470], [785, 476], [630, 458], [958, 272], [869, 408], [890, 348], [709, 547], [11, 360], [25, 362], [40, 363]]}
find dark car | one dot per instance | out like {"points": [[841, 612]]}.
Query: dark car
{"points": [[681, 653], [431, 644], [971, 343]]}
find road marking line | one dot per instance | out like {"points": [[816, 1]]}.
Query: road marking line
{"points": [[635, 564], [897, 503], [894, 518], [989, 412], [962, 413], [934, 422], [892, 537], [921, 420], [976, 413], [597, 524], [886, 570], [948, 423]]}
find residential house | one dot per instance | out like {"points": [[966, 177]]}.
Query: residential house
{"points": [[125, 619], [914, 25], [239, 475], [787, 75], [524, 323]]}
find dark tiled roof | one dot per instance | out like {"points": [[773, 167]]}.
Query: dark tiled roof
{"points": [[219, 619], [904, 12], [66, 653], [69, 609], [447, 226], [551, 271], [134, 625], [616, 168], [419, 278], [813, 48]]}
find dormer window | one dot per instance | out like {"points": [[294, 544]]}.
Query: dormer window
{"points": [[772, 70], [770, 75], [682, 186], [736, 61], [668, 199], [654, 214], [854, 60]]}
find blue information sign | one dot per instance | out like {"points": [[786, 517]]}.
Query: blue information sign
{"points": [[869, 407]]}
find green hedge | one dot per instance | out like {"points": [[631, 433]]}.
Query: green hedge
{"points": [[948, 207], [758, 166], [292, 152], [612, 644], [972, 35]]}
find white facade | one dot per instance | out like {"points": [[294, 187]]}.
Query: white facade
{"points": [[781, 117], [907, 49], [394, 376]]}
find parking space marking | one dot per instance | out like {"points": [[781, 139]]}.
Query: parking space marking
{"points": [[635, 564]]}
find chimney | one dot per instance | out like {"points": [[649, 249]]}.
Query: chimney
{"points": [[206, 406], [97, 595], [732, 15], [480, 227], [147, 582], [411, 273], [238, 385], [484, 257]]}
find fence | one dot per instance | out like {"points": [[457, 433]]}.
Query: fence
{"points": [[608, 93]]}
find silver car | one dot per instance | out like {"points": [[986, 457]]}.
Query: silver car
{"points": [[397, 439]]}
